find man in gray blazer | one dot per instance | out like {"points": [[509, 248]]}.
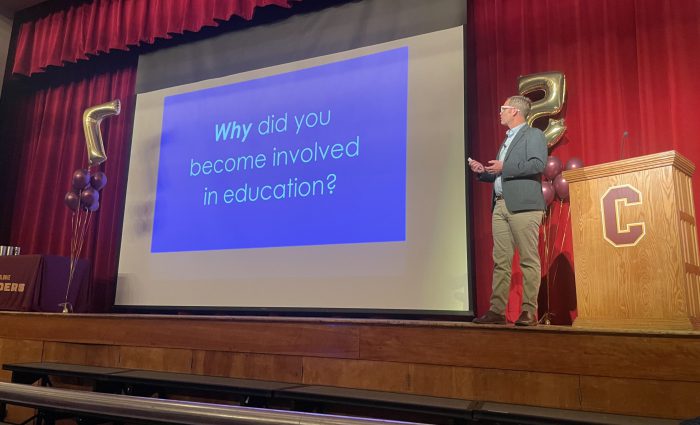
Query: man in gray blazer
{"points": [[517, 209]]}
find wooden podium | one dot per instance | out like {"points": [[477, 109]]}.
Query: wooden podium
{"points": [[635, 244]]}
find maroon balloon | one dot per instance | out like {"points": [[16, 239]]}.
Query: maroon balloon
{"points": [[72, 200], [547, 192], [552, 168], [561, 186], [81, 178], [88, 197], [98, 180], [574, 163]]}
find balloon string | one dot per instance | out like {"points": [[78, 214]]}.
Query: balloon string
{"points": [[75, 220], [87, 215], [550, 212], [74, 248], [80, 222], [72, 244], [566, 227], [547, 219], [556, 234], [74, 251]]}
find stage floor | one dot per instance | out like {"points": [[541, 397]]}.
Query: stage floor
{"points": [[643, 373]]}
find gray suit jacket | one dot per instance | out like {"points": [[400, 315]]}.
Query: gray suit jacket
{"points": [[522, 171]]}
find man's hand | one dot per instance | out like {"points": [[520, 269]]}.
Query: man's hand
{"points": [[494, 167], [476, 166]]}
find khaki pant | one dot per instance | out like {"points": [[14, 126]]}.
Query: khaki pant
{"points": [[520, 229]]}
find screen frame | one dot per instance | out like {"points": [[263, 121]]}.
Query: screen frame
{"points": [[345, 312]]}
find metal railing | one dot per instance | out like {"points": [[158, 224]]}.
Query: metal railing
{"points": [[121, 407]]}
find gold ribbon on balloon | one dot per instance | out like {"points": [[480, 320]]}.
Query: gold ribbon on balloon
{"points": [[91, 126], [553, 84]]}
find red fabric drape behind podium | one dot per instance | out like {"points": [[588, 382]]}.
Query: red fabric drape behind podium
{"points": [[630, 65]]}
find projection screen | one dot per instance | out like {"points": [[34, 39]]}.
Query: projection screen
{"points": [[335, 182]]}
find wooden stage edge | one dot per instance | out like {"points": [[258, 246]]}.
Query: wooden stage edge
{"points": [[640, 373]]}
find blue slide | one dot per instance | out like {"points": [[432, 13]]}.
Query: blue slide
{"points": [[310, 157]]}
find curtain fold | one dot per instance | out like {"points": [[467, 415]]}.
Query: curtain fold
{"points": [[43, 141], [630, 66], [52, 147], [97, 27]]}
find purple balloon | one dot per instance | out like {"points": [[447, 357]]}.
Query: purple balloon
{"points": [[95, 205], [88, 197], [547, 192], [561, 186], [552, 168], [72, 200], [98, 180], [81, 178], [574, 163]]}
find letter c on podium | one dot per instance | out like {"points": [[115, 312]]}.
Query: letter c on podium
{"points": [[611, 203]]}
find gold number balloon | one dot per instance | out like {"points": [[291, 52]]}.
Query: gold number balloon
{"points": [[91, 126], [553, 84]]}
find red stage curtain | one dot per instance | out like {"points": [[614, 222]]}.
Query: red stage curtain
{"points": [[53, 146], [43, 118], [630, 65], [102, 25]]}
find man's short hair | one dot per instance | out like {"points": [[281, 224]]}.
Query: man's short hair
{"points": [[521, 103]]}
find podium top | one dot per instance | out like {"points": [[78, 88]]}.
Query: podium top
{"points": [[631, 165]]}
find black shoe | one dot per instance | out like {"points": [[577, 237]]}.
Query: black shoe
{"points": [[526, 319], [490, 318]]}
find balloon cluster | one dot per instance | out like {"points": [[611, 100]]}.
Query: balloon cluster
{"points": [[85, 191], [554, 182]]}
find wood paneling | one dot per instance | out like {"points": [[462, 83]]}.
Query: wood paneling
{"points": [[18, 350], [14, 351], [641, 397], [382, 376], [223, 334], [438, 381], [632, 165], [84, 354], [639, 284], [509, 386], [162, 359], [18, 414], [635, 356], [626, 372], [250, 366], [626, 282]]}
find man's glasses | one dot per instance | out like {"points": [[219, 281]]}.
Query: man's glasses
{"points": [[503, 108]]}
